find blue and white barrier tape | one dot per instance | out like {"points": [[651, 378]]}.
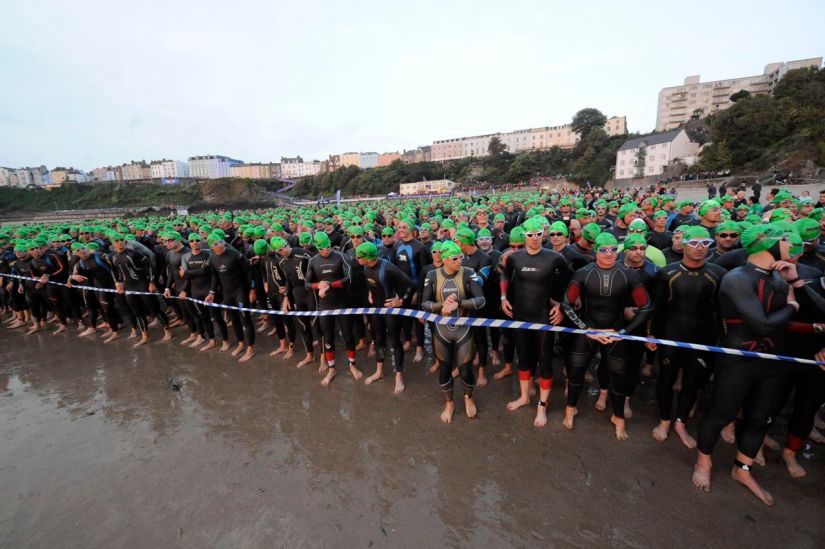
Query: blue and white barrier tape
{"points": [[460, 321]]}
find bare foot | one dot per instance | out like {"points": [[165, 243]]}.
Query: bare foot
{"points": [[188, 339], [407, 346], [355, 372], [660, 432], [371, 351], [133, 333], [481, 381], [541, 416], [434, 367], [272, 332], [476, 361], [197, 342], [816, 436], [290, 352], [470, 407], [224, 346], [211, 344], [601, 403], [33, 330], [745, 478], [323, 366], [447, 414], [495, 361], [701, 477], [684, 436], [60, 329], [239, 349], [621, 432], [374, 377], [628, 413], [250, 352], [361, 345], [328, 378], [111, 337], [419, 355], [514, 405], [793, 466], [729, 433], [819, 423], [279, 350], [760, 457], [504, 372], [86, 332], [143, 341], [569, 414], [307, 360], [167, 335], [399, 384]]}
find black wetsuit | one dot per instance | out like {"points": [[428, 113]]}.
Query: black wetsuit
{"points": [[604, 294], [532, 281], [481, 263], [275, 280], [755, 316], [294, 268], [197, 276], [687, 307], [99, 273], [134, 270], [386, 281], [230, 273], [411, 257], [176, 284], [335, 270], [453, 345]]}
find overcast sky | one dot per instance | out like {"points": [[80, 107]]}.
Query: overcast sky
{"points": [[94, 83]]}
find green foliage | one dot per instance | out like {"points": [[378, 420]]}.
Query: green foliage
{"points": [[741, 94], [759, 131], [587, 120], [496, 148]]}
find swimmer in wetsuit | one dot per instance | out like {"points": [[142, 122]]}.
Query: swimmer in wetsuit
{"points": [[595, 299], [686, 295], [453, 291], [535, 278], [387, 286]]}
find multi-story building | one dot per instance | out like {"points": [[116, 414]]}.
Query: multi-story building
{"points": [[333, 163], [211, 166], [439, 186], [650, 155], [349, 159], [677, 104], [5, 176], [256, 171], [170, 169], [30, 176], [530, 139], [296, 167], [388, 158], [368, 160], [136, 171], [59, 175], [419, 154]]}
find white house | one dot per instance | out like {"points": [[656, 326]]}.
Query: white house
{"points": [[650, 155]]}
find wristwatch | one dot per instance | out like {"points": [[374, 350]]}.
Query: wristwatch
{"points": [[818, 328]]}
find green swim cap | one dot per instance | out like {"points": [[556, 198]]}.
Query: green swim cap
{"points": [[605, 239], [436, 249], [77, 245], [638, 225], [728, 227], [694, 232], [532, 226], [276, 243], [450, 249], [94, 246], [808, 228], [634, 239], [660, 213], [322, 241], [559, 227], [499, 217], [708, 205], [517, 235], [367, 251], [760, 238], [260, 247], [448, 224], [304, 239], [387, 231], [194, 237], [465, 236], [484, 233], [796, 241]]}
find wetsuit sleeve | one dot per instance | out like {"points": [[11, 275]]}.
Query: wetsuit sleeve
{"points": [[571, 296], [643, 303], [346, 269], [246, 272], [563, 274], [475, 294], [506, 274], [309, 277], [428, 302], [658, 291], [813, 298], [213, 285], [747, 305], [59, 265]]}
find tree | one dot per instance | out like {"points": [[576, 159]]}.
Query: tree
{"points": [[741, 94], [496, 147], [586, 120]]}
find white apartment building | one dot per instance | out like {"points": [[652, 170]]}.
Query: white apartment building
{"points": [[169, 169], [368, 160], [296, 167], [530, 139], [6, 176], [650, 155], [211, 166], [678, 103]]}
